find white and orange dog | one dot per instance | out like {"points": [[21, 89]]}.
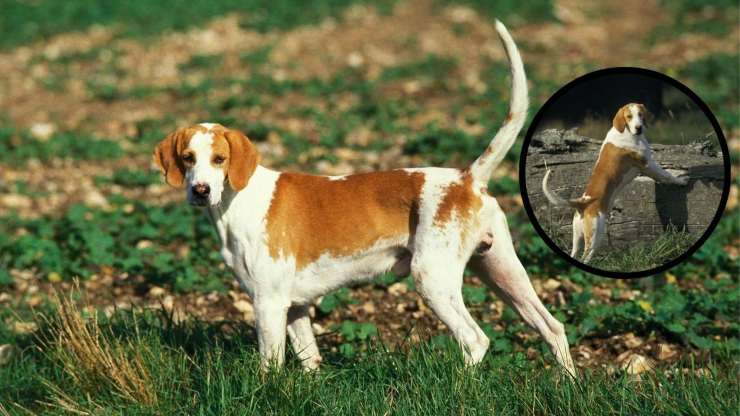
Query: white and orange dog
{"points": [[291, 237], [624, 154]]}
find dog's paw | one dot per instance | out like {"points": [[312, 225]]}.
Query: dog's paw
{"points": [[680, 177], [682, 180]]}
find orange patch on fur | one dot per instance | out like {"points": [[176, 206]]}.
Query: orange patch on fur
{"points": [[310, 216], [459, 201], [508, 117], [241, 156], [620, 119], [168, 153]]}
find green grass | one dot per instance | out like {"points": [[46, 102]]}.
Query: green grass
{"points": [[716, 79], [647, 255], [82, 240], [17, 147], [670, 129], [714, 17], [198, 368], [131, 178], [34, 21], [530, 11]]}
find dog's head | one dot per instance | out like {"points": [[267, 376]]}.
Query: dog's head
{"points": [[633, 117], [205, 158]]}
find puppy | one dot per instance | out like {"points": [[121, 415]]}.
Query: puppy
{"points": [[624, 154], [292, 237]]}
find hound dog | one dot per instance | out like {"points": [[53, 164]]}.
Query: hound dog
{"points": [[624, 154], [292, 237]]}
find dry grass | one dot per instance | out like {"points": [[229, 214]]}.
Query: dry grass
{"points": [[93, 358]]}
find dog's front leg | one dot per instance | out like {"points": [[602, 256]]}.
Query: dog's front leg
{"points": [[655, 171], [271, 313]]}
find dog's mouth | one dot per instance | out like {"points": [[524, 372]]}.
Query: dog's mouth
{"points": [[198, 201]]}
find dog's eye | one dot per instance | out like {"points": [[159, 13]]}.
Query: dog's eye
{"points": [[629, 117], [218, 160], [188, 158]]}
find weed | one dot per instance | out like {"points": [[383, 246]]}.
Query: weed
{"points": [[17, 147], [201, 61], [532, 11], [93, 360], [441, 145], [716, 80], [45, 18], [647, 255], [716, 18], [129, 178]]}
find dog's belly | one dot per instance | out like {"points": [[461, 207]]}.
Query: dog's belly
{"points": [[329, 273], [628, 176]]}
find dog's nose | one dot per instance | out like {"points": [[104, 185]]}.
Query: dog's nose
{"points": [[202, 190], [638, 129]]}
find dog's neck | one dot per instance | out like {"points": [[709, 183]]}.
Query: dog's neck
{"points": [[252, 195], [626, 139]]}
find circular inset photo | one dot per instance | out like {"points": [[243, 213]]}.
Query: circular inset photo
{"points": [[625, 172]]}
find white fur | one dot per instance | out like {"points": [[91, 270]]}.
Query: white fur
{"points": [[436, 254], [203, 172]]}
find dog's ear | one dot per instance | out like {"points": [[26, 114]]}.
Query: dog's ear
{"points": [[243, 159], [167, 157], [646, 115], [620, 121]]}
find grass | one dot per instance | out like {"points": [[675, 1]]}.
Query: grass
{"points": [[716, 79], [34, 21], [713, 17], [39, 20], [531, 11], [17, 147], [673, 129], [646, 255], [145, 363]]}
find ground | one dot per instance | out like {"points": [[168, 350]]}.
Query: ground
{"points": [[356, 88]]}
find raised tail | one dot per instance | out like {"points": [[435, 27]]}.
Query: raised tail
{"points": [[483, 167], [577, 203]]}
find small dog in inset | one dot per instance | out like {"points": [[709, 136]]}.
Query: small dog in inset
{"points": [[624, 154], [292, 237]]}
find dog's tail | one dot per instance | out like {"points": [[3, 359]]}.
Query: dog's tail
{"points": [[483, 167], [577, 203]]}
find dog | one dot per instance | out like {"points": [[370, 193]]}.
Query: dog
{"points": [[625, 153], [292, 237]]}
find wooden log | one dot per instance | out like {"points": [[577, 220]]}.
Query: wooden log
{"points": [[644, 209]]}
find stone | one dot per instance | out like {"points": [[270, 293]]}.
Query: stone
{"points": [[6, 353], [637, 364], [398, 288]]}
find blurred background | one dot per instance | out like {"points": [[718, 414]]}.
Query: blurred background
{"points": [[589, 108], [331, 86]]}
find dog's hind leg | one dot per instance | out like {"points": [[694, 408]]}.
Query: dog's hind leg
{"points": [[598, 237], [302, 338], [577, 234], [441, 290], [501, 269]]}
